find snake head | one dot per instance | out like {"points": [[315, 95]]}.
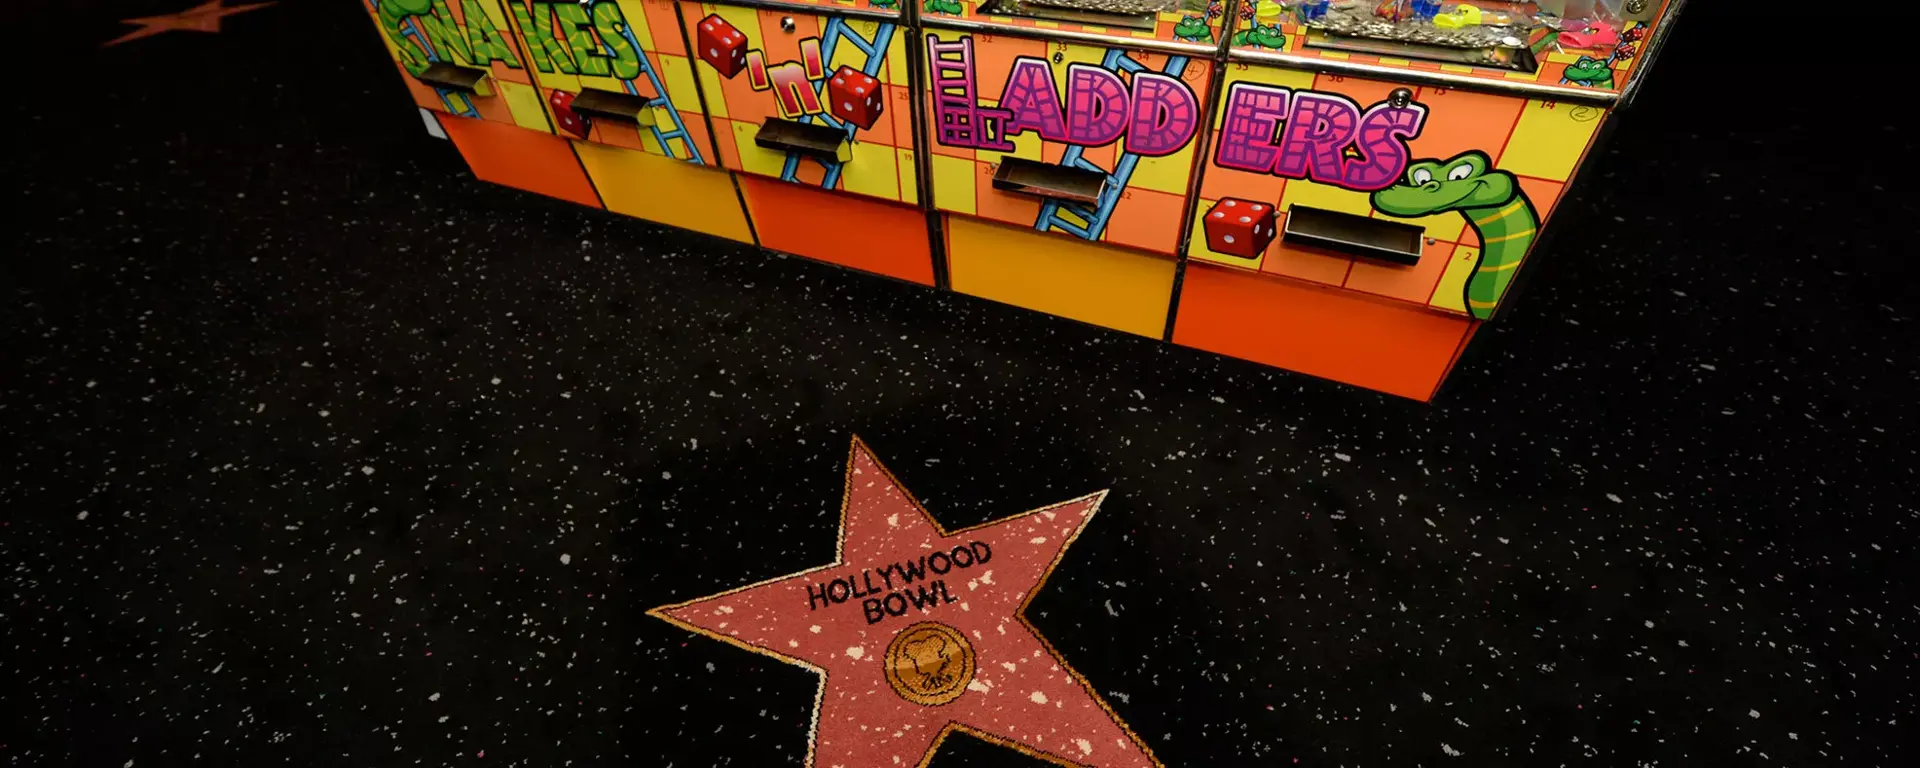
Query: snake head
{"points": [[1468, 180]]}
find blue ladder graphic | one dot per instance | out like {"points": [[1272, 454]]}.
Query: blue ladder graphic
{"points": [[876, 51], [679, 131], [456, 102], [1094, 221]]}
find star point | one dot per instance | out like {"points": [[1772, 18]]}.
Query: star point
{"points": [[204, 17], [916, 632]]}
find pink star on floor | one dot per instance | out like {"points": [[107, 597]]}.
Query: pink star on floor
{"points": [[204, 17], [917, 632]]}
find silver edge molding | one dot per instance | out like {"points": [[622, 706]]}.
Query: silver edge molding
{"points": [[1661, 31], [1038, 33], [1288, 60], [1425, 77]]}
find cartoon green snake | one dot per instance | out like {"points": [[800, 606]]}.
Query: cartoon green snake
{"points": [[1590, 72], [1261, 36], [1193, 28], [393, 13], [1494, 205]]}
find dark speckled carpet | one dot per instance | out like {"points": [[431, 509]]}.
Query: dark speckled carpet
{"points": [[320, 452]]}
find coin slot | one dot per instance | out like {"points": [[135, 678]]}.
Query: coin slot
{"points": [[822, 142], [1060, 182], [613, 105], [1353, 235], [453, 77]]}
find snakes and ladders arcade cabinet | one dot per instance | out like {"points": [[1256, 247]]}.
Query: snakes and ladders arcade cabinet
{"points": [[1063, 140], [1379, 173], [1345, 188], [812, 111]]}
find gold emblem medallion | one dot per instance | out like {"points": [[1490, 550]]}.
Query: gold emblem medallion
{"points": [[929, 663]]}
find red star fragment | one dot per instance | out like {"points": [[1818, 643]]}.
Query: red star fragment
{"points": [[917, 632], [204, 17]]}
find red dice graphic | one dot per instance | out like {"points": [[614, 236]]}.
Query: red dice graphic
{"points": [[722, 46], [569, 120], [1240, 227], [856, 97]]}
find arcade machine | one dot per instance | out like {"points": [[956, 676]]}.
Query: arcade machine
{"points": [[1345, 188], [459, 60], [1381, 170], [1062, 145], [811, 107], [593, 102]]}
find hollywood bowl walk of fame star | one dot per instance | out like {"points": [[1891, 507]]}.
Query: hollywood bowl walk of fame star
{"points": [[917, 632]]}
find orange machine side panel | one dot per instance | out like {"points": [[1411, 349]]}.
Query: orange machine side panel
{"points": [[864, 234], [516, 157], [1320, 331]]}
